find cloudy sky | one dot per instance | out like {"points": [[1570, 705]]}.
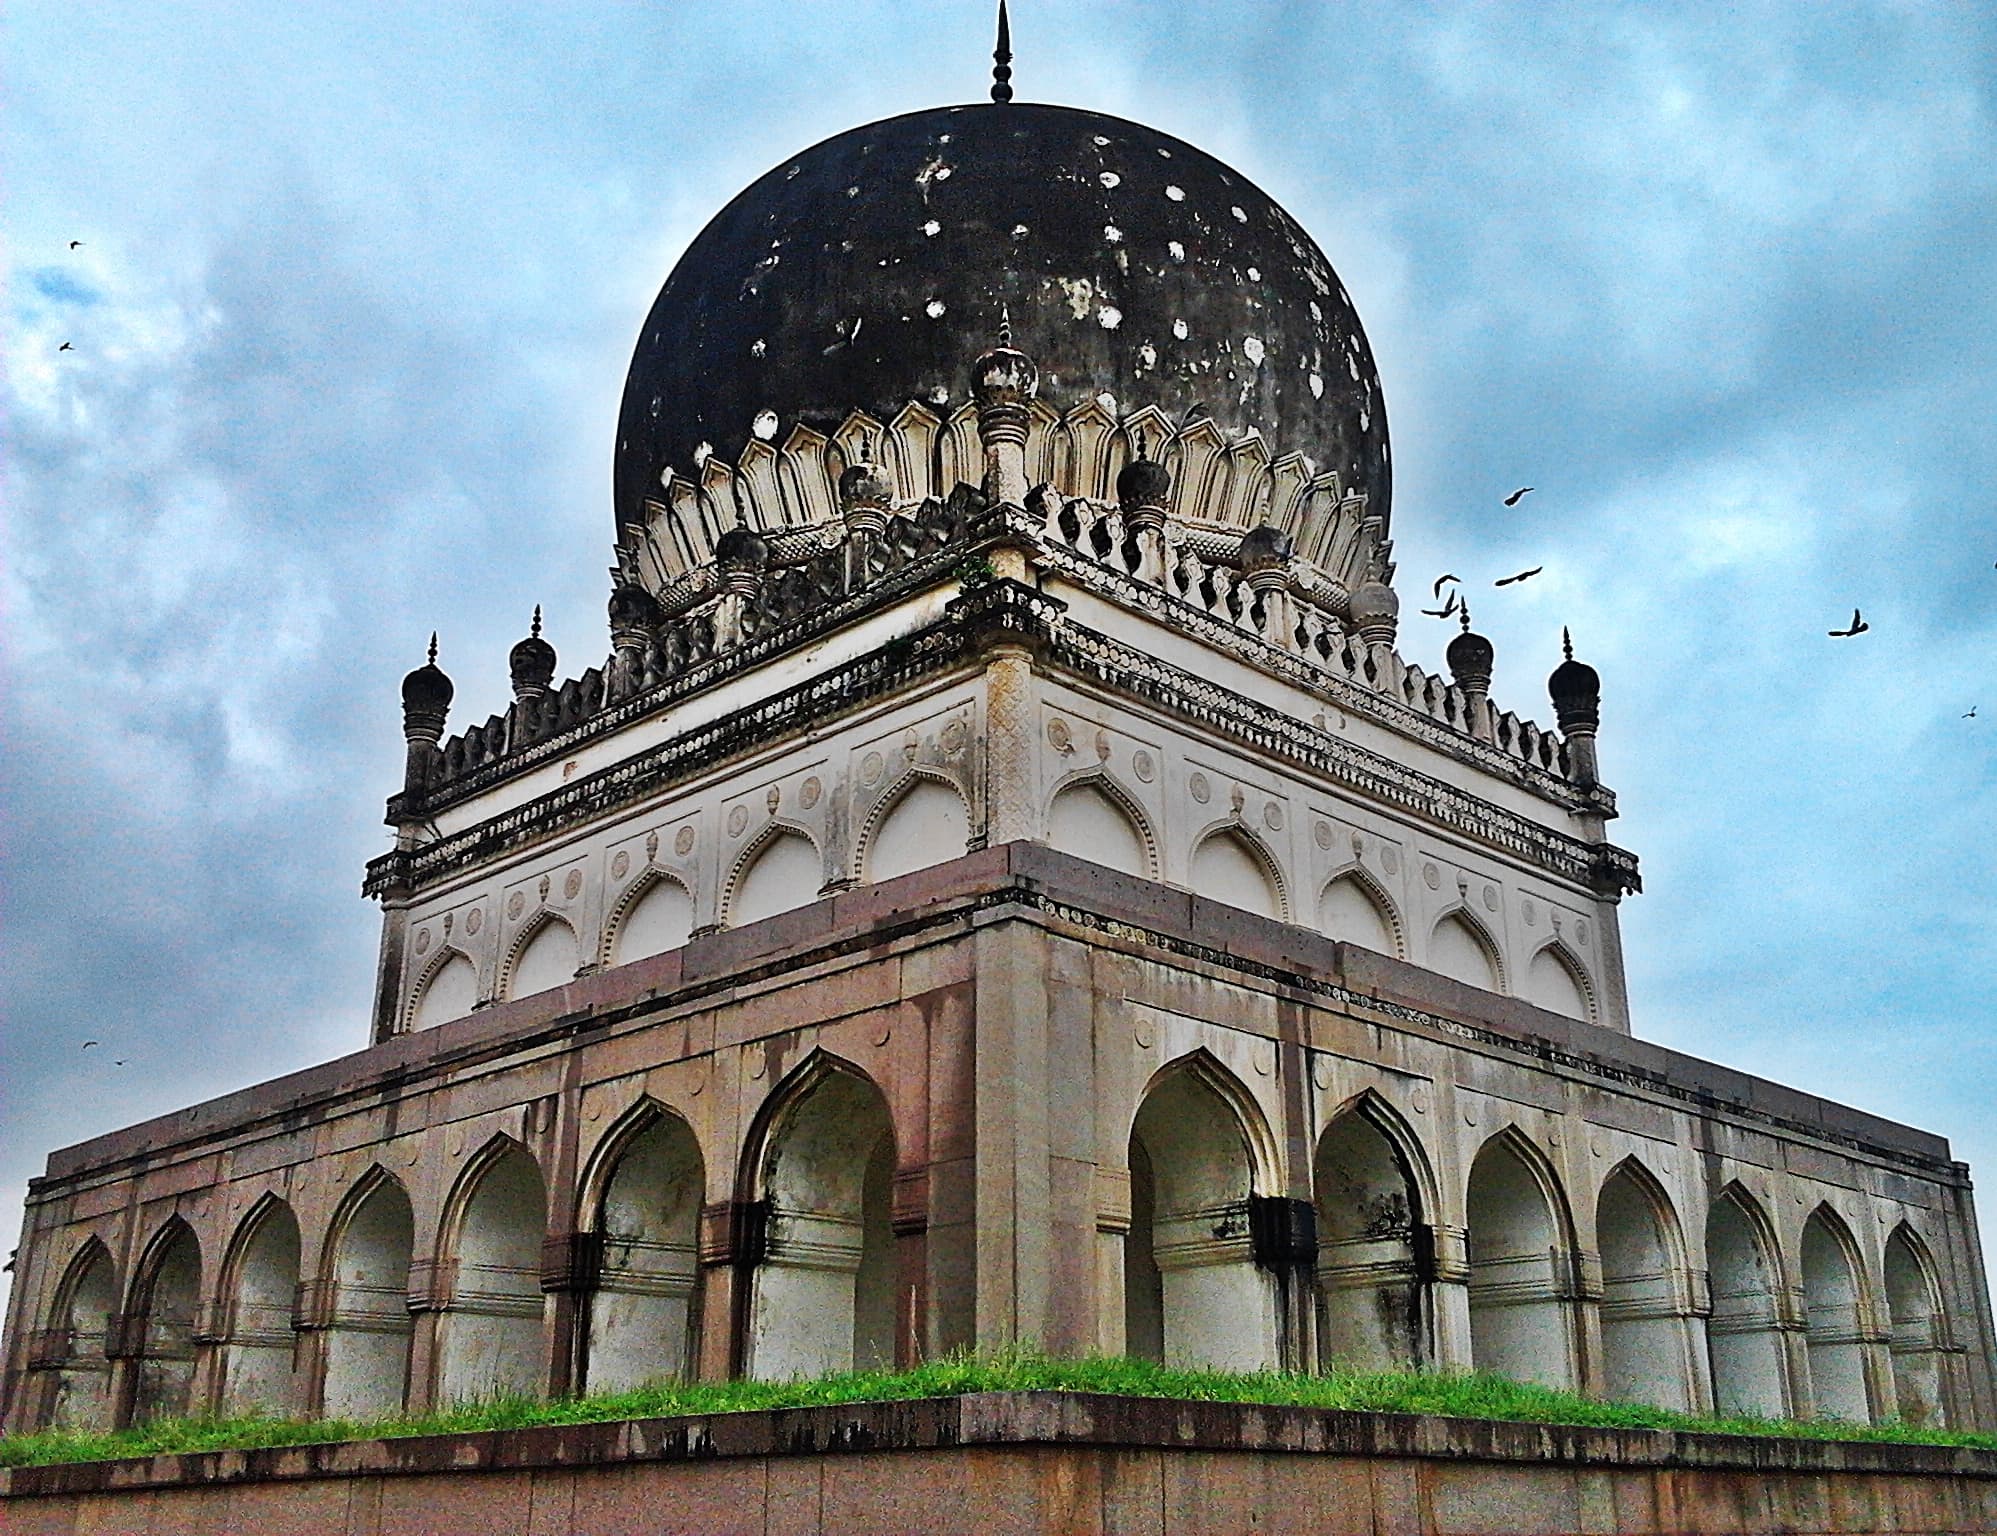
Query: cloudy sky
{"points": [[359, 283]]}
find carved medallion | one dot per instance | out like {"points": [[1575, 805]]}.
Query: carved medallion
{"points": [[1199, 789], [620, 865], [1390, 860], [683, 843], [572, 885], [515, 903], [474, 919], [1143, 765], [423, 941], [1490, 898], [1418, 1100], [1321, 835], [1272, 816], [955, 735], [871, 767], [1059, 737], [738, 818], [1529, 912], [809, 791], [1431, 877], [1581, 931]]}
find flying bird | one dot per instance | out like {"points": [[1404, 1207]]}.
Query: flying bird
{"points": [[1506, 581], [1518, 495], [1972, 713], [88, 1043], [1858, 627], [117, 1063], [65, 347], [74, 244], [1455, 602], [1440, 583]]}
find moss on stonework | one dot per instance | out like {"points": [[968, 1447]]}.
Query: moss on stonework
{"points": [[1449, 1396]]}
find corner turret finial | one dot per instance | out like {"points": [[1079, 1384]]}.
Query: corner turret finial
{"points": [[1566, 643], [537, 621], [1005, 325], [1466, 622], [1002, 60], [433, 648]]}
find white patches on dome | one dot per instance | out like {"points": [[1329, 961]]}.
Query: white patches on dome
{"points": [[1081, 295], [758, 347], [1019, 231], [1253, 350], [1109, 316], [765, 425], [942, 138], [932, 170], [1112, 234], [1365, 421], [1352, 367], [939, 395], [852, 191], [932, 228], [1107, 401], [1180, 329], [1316, 313], [1317, 386], [1110, 179], [1240, 214], [1176, 194], [792, 173], [1254, 274], [1150, 355], [1166, 153], [1101, 142], [942, 173], [1178, 251], [934, 309], [701, 454]]}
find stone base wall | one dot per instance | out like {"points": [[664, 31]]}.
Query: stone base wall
{"points": [[1017, 1462]]}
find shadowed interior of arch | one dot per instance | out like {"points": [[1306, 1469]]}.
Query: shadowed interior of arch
{"points": [[1373, 1297], [1918, 1338], [1086, 821], [1520, 1323], [1551, 982], [1743, 1337], [367, 1344], [257, 1363], [489, 1340], [1647, 1339], [82, 1388], [549, 959], [1834, 1327], [169, 1299], [641, 1312]]}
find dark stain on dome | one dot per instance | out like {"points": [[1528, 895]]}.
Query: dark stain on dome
{"points": [[871, 269]]}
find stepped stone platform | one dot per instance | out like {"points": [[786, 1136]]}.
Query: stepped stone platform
{"points": [[1026, 1461]]}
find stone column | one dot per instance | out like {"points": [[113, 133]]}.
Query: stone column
{"points": [[733, 1237], [1004, 381], [743, 559], [1012, 788], [1144, 491], [1448, 1263], [1265, 566]]}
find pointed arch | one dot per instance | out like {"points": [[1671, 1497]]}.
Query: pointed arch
{"points": [[1918, 1329], [1646, 1311], [491, 1333], [437, 999], [1238, 864], [773, 874], [820, 1163], [647, 919], [545, 953], [923, 819], [1556, 980], [1092, 816], [642, 1198], [1460, 946], [1522, 1286], [258, 1293], [1744, 1346], [364, 1275], [85, 1301], [1355, 908], [1200, 1151], [1834, 1318], [1375, 1193], [164, 1302]]}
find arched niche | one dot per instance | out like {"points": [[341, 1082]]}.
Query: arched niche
{"points": [[926, 823], [1194, 1295], [367, 1338], [1088, 821], [262, 1280], [1521, 1310], [1555, 982], [1458, 947], [1832, 1315], [782, 872], [1743, 1330], [1646, 1319], [823, 1297], [1229, 866], [657, 920], [1373, 1269], [548, 958], [1919, 1331], [490, 1336], [647, 1217], [1351, 909], [449, 992], [166, 1301], [85, 1302]]}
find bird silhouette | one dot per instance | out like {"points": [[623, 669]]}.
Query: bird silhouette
{"points": [[1455, 602], [1440, 583], [1506, 581], [87, 1044], [1518, 495], [1858, 627], [1972, 713], [117, 1063], [74, 244], [65, 347]]}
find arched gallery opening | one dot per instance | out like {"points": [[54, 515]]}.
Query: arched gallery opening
{"points": [[642, 1312], [489, 1342], [1743, 1335], [1647, 1339], [258, 1357], [83, 1382], [1836, 1341], [367, 1340], [823, 1296], [1373, 1269], [1919, 1336], [927, 824], [169, 1296], [1088, 822], [1228, 867], [785, 872], [1193, 1294], [1521, 1313]]}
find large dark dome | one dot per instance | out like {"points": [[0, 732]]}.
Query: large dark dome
{"points": [[870, 270]]}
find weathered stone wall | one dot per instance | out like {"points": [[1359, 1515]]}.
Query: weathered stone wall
{"points": [[1018, 1462]]}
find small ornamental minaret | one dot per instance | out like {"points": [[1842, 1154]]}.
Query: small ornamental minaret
{"points": [[532, 663], [1375, 608], [426, 704], [742, 557], [1144, 492], [1576, 688], [1004, 381], [1265, 566], [1470, 658], [634, 619]]}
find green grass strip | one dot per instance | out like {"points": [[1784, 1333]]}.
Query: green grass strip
{"points": [[1018, 1370]]}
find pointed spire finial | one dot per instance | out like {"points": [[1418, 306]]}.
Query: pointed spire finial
{"points": [[1566, 643], [537, 621], [1141, 444], [1466, 618], [433, 647], [1002, 60], [1005, 325]]}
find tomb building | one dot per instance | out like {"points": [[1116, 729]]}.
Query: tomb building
{"points": [[1001, 884]]}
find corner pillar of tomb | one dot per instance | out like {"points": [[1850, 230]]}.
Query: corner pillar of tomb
{"points": [[430, 1286], [1447, 1261], [734, 1236]]}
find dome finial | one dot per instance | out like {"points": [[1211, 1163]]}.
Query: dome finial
{"points": [[1566, 643], [433, 648], [1002, 60], [1466, 622], [537, 621], [1005, 325]]}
